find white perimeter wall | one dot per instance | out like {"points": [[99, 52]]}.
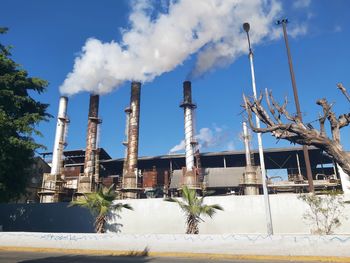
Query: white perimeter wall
{"points": [[242, 214]]}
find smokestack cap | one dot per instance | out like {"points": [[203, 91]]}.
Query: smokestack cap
{"points": [[187, 92], [187, 102]]}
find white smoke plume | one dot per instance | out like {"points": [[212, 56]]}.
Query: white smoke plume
{"points": [[208, 138], [158, 43]]}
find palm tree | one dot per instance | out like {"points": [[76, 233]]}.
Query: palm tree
{"points": [[193, 207], [100, 203]]}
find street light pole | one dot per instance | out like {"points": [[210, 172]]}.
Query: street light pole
{"points": [[246, 28], [284, 22]]}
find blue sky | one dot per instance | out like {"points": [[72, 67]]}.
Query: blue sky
{"points": [[48, 35]]}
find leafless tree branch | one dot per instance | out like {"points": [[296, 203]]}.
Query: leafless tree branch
{"points": [[343, 90], [292, 129]]}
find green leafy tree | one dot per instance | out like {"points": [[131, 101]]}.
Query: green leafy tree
{"points": [[325, 212], [193, 207], [100, 203], [19, 116]]}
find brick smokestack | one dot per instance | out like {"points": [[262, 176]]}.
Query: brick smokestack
{"points": [[91, 138], [130, 175], [59, 143]]}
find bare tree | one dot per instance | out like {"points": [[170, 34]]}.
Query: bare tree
{"points": [[282, 125]]}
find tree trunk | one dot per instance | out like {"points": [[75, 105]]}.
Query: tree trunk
{"points": [[339, 155], [192, 225], [99, 224]]}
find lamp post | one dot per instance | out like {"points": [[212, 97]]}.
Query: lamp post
{"points": [[284, 22], [246, 28]]}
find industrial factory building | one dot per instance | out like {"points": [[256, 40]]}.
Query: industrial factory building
{"points": [[78, 172], [222, 171]]}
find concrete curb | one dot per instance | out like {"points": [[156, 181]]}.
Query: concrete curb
{"points": [[176, 255], [276, 247]]}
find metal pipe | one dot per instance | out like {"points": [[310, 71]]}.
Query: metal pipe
{"points": [[166, 184], [261, 152], [297, 104], [60, 136], [246, 144], [300, 177], [250, 180], [125, 143]]}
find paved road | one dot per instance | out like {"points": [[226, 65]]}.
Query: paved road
{"points": [[35, 257]]}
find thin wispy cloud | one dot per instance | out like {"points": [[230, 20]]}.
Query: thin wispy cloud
{"points": [[301, 3], [209, 138], [294, 30], [298, 30]]}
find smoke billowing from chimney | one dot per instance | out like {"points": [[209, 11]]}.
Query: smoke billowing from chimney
{"points": [[152, 46]]}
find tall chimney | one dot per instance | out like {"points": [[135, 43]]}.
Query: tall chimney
{"points": [[52, 182], [86, 182], [190, 143], [91, 137], [60, 137], [130, 175], [249, 177], [188, 111]]}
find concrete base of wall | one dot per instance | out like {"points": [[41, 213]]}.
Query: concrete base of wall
{"points": [[277, 245]]}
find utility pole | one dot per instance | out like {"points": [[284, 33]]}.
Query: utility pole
{"points": [[284, 22], [246, 28]]}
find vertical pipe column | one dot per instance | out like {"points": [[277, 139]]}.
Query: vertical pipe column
{"points": [[130, 176], [297, 105], [166, 184], [269, 226], [261, 155], [60, 136], [246, 145], [125, 143], [250, 180]]}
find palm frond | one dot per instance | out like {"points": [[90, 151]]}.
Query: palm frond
{"points": [[119, 206], [182, 205], [193, 207]]}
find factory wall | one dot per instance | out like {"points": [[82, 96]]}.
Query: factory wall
{"points": [[49, 217], [242, 214]]}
